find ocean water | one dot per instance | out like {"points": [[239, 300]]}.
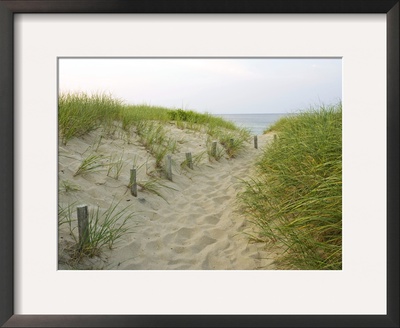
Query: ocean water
{"points": [[257, 123]]}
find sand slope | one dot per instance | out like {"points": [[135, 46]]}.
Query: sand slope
{"points": [[195, 225]]}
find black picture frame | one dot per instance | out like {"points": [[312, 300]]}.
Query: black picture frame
{"points": [[7, 11]]}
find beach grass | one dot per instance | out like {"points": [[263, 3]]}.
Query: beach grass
{"points": [[214, 154], [68, 186], [155, 186], [81, 113], [154, 137], [196, 160], [104, 230], [234, 142], [195, 120], [115, 165], [295, 197], [90, 163]]}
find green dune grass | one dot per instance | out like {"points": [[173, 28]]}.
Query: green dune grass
{"points": [[80, 113], [296, 196]]}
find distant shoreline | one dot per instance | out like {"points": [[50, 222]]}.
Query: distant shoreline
{"points": [[256, 123]]}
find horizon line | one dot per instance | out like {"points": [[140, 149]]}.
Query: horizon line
{"points": [[247, 113]]}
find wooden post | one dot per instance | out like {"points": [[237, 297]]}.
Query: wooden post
{"points": [[214, 149], [83, 225], [255, 142], [189, 160], [168, 167], [275, 137], [231, 142], [133, 183]]}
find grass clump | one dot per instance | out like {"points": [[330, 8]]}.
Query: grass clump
{"points": [[155, 186], [154, 138], [68, 186], [296, 197], [194, 118], [234, 142], [89, 164], [115, 166], [104, 230], [80, 113], [214, 153], [196, 160]]}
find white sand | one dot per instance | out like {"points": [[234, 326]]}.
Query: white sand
{"points": [[196, 225]]}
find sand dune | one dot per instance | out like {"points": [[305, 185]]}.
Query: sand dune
{"points": [[195, 224]]}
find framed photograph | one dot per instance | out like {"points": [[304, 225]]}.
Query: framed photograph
{"points": [[50, 47]]}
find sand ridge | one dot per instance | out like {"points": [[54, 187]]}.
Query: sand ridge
{"points": [[195, 224]]}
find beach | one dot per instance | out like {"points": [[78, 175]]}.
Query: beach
{"points": [[193, 222]]}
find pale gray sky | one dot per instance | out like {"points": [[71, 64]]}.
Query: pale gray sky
{"points": [[217, 86]]}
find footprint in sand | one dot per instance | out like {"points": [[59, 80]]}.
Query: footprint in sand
{"points": [[178, 249], [182, 235], [209, 219], [201, 243], [213, 261], [221, 199]]}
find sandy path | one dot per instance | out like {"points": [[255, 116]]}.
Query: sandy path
{"points": [[196, 226]]}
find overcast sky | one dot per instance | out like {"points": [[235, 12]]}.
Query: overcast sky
{"points": [[217, 86]]}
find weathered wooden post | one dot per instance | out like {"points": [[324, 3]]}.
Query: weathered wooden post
{"points": [[83, 225], [231, 141], [255, 142], [214, 149], [133, 183], [168, 167], [275, 137], [189, 160]]}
